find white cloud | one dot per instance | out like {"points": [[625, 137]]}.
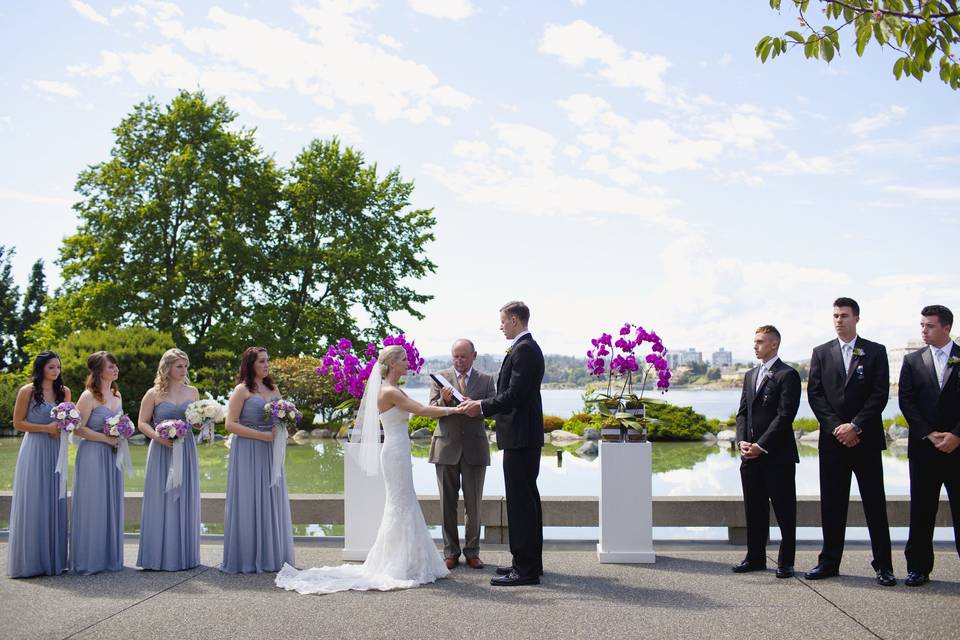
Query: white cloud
{"points": [[88, 12], [250, 106], [580, 42], [450, 9], [56, 88], [742, 129], [389, 41], [877, 121], [793, 164], [342, 127], [947, 194], [34, 198], [240, 54]]}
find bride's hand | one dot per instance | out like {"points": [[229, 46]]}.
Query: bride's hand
{"points": [[460, 409]]}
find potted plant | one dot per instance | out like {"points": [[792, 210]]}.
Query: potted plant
{"points": [[623, 365]]}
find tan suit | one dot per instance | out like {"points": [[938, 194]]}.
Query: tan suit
{"points": [[461, 452]]}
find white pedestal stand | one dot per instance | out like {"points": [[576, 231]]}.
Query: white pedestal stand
{"points": [[626, 503], [363, 499]]}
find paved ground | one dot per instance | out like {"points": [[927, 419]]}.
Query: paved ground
{"points": [[688, 593]]}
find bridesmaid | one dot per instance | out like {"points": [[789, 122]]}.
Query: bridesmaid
{"points": [[96, 523], [170, 520], [257, 532], [38, 515]]}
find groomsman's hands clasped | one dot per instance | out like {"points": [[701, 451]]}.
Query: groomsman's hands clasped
{"points": [[847, 435], [944, 441]]}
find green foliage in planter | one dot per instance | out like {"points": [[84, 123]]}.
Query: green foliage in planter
{"points": [[421, 422], [669, 422], [807, 425]]}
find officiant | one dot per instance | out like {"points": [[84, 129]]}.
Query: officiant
{"points": [[461, 452]]}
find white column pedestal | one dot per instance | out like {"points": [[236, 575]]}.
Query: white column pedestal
{"points": [[363, 501], [626, 503]]}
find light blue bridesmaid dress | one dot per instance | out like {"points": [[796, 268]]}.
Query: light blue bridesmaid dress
{"points": [[170, 521], [96, 522], [257, 532], [38, 516]]}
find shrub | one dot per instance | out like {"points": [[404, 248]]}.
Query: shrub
{"points": [[552, 423], [898, 420], [10, 383], [420, 422], [137, 350], [582, 417], [807, 425], [675, 423], [299, 382], [578, 427], [218, 374]]}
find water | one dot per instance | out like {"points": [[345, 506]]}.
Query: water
{"points": [[712, 403]]}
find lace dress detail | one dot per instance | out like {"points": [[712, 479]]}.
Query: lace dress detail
{"points": [[403, 555]]}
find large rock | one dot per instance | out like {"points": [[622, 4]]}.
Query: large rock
{"points": [[559, 435], [708, 437], [589, 449], [421, 434], [591, 434], [896, 432], [727, 435], [813, 436]]}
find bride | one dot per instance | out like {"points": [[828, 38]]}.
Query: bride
{"points": [[403, 554]]}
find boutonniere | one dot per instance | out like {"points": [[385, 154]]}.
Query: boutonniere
{"points": [[952, 360], [768, 375], [858, 352], [509, 349]]}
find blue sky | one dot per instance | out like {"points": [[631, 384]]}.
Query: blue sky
{"points": [[603, 161]]}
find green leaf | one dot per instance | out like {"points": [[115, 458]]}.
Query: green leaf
{"points": [[826, 49], [862, 39], [898, 68], [795, 35]]}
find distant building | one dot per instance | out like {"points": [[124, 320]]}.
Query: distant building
{"points": [[895, 358], [681, 358], [721, 359]]}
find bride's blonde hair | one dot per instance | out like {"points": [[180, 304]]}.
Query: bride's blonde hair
{"points": [[162, 382], [389, 355]]}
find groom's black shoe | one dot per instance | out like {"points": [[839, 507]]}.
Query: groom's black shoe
{"points": [[502, 571], [748, 565], [821, 571], [513, 579]]}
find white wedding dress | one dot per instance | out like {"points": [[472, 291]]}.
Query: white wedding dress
{"points": [[403, 554]]}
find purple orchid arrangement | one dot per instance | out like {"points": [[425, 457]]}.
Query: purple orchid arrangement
{"points": [[172, 429], [67, 417], [282, 412], [623, 359], [350, 371]]}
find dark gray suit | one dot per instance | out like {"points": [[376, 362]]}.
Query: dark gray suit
{"points": [[461, 452]]}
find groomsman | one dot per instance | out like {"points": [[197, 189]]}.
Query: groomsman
{"points": [[768, 450], [848, 388], [930, 401], [461, 452]]}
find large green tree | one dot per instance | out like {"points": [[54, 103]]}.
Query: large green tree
{"points": [[922, 31], [9, 300], [171, 225], [190, 229], [345, 237], [31, 308]]}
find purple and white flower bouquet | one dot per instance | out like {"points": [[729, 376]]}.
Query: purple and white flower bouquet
{"points": [[121, 426], [174, 431], [282, 414], [67, 418]]}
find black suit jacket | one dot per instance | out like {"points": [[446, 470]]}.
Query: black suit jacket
{"points": [[766, 414], [517, 406], [859, 395], [925, 406]]}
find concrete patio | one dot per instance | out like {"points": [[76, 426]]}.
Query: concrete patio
{"points": [[689, 593]]}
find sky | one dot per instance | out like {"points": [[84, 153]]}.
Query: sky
{"points": [[605, 162]]}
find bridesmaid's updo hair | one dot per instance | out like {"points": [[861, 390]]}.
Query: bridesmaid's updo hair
{"points": [[162, 382], [36, 377], [96, 363], [389, 355], [246, 375]]}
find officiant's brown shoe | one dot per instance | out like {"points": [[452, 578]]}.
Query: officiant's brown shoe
{"points": [[475, 563], [451, 563]]}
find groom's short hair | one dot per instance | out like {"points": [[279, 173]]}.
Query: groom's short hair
{"points": [[769, 328], [518, 309]]}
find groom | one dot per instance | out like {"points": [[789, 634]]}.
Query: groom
{"points": [[519, 415]]}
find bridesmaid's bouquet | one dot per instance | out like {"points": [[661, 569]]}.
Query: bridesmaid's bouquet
{"points": [[204, 414], [174, 431], [68, 419], [121, 426], [284, 414]]}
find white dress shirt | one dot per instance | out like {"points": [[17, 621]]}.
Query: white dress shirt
{"points": [[846, 348], [940, 356]]}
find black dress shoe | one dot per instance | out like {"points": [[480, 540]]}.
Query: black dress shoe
{"points": [[885, 578], [915, 579], [502, 571], [784, 572], [513, 579], [747, 565], [820, 572]]}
